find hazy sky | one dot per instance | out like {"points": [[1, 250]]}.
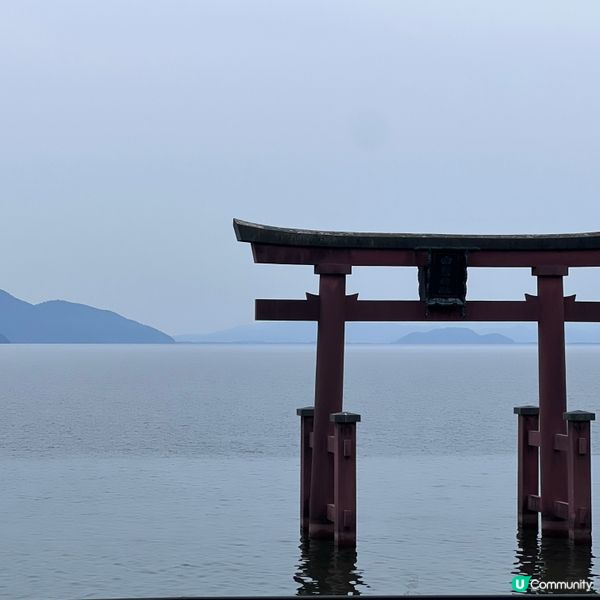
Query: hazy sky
{"points": [[132, 132]]}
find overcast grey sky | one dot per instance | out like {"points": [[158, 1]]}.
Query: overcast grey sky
{"points": [[132, 132]]}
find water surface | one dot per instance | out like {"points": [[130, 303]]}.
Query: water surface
{"points": [[173, 470]]}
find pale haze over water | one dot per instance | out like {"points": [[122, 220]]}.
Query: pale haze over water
{"points": [[152, 470]]}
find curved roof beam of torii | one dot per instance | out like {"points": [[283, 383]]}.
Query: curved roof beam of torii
{"points": [[265, 234]]}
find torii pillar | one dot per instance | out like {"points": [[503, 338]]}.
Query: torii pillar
{"points": [[329, 392], [553, 396]]}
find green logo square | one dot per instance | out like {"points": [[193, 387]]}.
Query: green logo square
{"points": [[520, 583]]}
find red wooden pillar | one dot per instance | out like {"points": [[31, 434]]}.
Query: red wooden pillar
{"points": [[306, 415], [528, 466], [579, 453], [553, 395], [328, 391], [343, 511]]}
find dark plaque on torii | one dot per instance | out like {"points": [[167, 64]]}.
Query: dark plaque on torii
{"points": [[553, 444]]}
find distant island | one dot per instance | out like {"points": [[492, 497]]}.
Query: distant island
{"points": [[454, 335], [356, 333], [61, 322]]}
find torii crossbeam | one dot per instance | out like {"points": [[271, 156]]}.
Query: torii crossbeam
{"points": [[554, 480]]}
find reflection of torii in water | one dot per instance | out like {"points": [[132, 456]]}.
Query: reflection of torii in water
{"points": [[550, 559], [325, 570], [328, 502]]}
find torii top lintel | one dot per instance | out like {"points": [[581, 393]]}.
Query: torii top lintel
{"points": [[303, 246], [442, 262]]}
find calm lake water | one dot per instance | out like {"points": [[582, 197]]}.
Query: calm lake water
{"points": [[173, 470]]}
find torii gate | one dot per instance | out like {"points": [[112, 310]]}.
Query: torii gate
{"points": [[554, 470]]}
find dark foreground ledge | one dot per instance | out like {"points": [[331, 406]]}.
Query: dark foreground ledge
{"points": [[255, 233], [366, 596]]}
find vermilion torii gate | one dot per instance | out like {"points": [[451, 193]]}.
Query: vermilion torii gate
{"points": [[554, 471]]}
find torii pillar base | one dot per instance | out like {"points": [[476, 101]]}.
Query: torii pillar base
{"points": [[341, 448], [573, 514], [579, 454]]}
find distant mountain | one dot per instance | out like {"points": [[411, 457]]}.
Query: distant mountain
{"points": [[299, 332], [4, 339], [61, 322], [302, 332], [454, 335]]}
